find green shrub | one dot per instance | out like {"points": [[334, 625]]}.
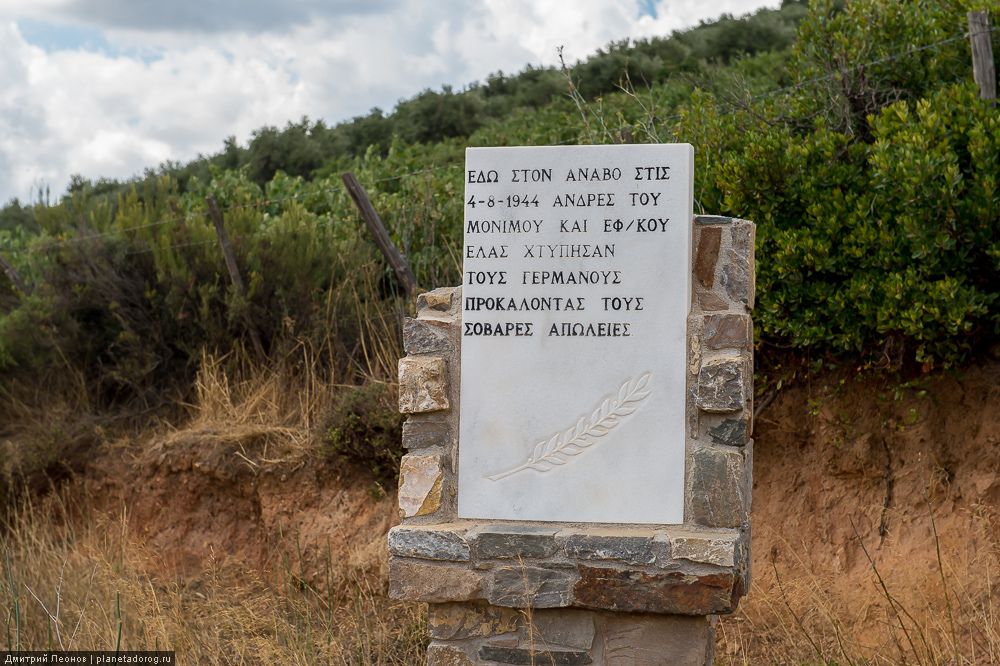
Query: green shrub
{"points": [[366, 428]]}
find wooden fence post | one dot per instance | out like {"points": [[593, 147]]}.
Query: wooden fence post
{"points": [[234, 270], [982, 55], [377, 229], [12, 274]]}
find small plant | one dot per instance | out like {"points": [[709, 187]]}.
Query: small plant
{"points": [[365, 427]]}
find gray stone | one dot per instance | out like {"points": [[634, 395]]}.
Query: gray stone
{"points": [[414, 581], [562, 627], [523, 587], [633, 550], [424, 434], [446, 655], [731, 432], [512, 541], [722, 385], [712, 219], [540, 657], [717, 488], [647, 640], [727, 330], [425, 335], [428, 543]]}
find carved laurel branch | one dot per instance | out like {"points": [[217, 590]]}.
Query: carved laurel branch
{"points": [[549, 454]]}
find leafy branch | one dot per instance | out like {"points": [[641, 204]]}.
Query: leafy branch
{"points": [[558, 450]]}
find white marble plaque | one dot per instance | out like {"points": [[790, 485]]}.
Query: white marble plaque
{"points": [[576, 292]]}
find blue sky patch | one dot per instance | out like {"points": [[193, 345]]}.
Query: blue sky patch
{"points": [[647, 7], [53, 37]]}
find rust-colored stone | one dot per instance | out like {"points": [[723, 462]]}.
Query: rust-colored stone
{"points": [[727, 330], [712, 303], [632, 591], [708, 256], [419, 485]]}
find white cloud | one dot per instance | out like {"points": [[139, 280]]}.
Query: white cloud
{"points": [[169, 90]]}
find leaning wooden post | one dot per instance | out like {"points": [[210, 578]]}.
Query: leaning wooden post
{"points": [[14, 277], [234, 271], [378, 231], [982, 56]]}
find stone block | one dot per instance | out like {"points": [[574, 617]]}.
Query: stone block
{"points": [[738, 272], [717, 549], [722, 385], [631, 550], [727, 330], [718, 488], [712, 219], [423, 384], [447, 655], [429, 543], [458, 621], [712, 303], [652, 640], [707, 256], [421, 336], [513, 541], [562, 627], [423, 434], [534, 657], [731, 432], [634, 591], [420, 479], [416, 581], [521, 587], [439, 300]]}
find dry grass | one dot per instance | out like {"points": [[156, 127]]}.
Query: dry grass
{"points": [[941, 608], [77, 582]]}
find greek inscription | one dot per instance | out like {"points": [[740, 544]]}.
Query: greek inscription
{"points": [[503, 226], [573, 227], [600, 330], [480, 252], [519, 329], [571, 277], [596, 175], [569, 251], [645, 198], [531, 175], [487, 277], [627, 304], [639, 225], [535, 304], [652, 173], [476, 176], [585, 200]]}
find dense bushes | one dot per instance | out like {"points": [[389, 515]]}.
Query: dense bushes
{"points": [[873, 179]]}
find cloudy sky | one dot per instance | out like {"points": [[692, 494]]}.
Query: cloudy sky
{"points": [[108, 87]]}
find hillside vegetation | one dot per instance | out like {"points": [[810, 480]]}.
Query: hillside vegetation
{"points": [[852, 136]]}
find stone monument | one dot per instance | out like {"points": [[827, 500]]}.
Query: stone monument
{"points": [[577, 486]]}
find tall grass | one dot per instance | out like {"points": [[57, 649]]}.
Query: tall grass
{"points": [[940, 607], [79, 579]]}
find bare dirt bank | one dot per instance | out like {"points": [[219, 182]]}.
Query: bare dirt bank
{"points": [[842, 464]]}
